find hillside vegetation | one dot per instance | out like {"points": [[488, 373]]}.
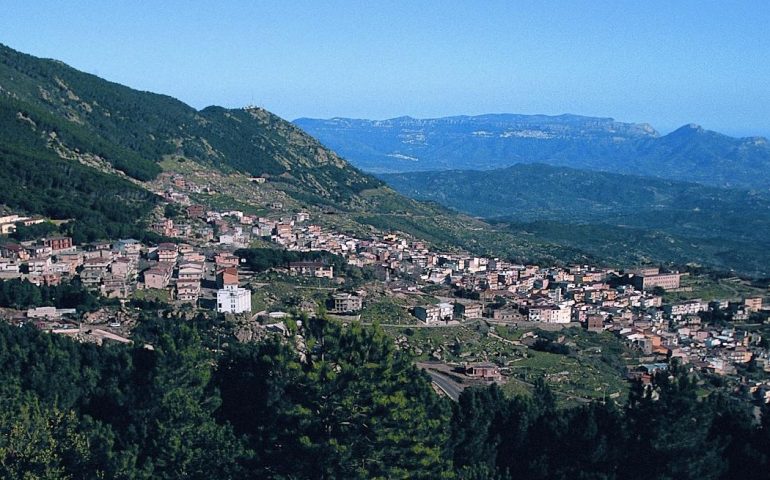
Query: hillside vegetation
{"points": [[79, 148], [610, 215], [49, 110], [343, 403]]}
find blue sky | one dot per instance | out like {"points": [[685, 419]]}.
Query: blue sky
{"points": [[663, 62]]}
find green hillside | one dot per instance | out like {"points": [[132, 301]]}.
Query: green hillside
{"points": [[131, 131], [76, 147], [612, 216], [94, 144]]}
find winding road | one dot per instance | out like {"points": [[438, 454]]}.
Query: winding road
{"points": [[446, 385]]}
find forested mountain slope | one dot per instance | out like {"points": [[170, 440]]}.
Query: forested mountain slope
{"points": [[48, 109]]}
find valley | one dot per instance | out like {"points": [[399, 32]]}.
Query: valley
{"points": [[195, 292]]}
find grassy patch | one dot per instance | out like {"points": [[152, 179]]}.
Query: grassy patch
{"points": [[388, 312], [152, 294]]}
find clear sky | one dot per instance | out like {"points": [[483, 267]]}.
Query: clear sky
{"points": [[663, 62]]}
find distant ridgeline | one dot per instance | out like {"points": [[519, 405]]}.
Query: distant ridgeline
{"points": [[74, 145], [493, 141]]}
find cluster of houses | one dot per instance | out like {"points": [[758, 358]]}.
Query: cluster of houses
{"points": [[627, 303], [118, 269], [9, 223]]}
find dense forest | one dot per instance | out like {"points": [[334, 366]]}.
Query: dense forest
{"points": [[35, 180], [21, 294], [617, 218], [340, 403]]}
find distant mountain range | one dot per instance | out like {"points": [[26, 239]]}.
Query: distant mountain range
{"points": [[486, 142]]}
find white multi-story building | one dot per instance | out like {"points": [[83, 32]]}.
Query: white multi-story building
{"points": [[233, 299]]}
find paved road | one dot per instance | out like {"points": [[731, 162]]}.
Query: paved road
{"points": [[446, 385]]}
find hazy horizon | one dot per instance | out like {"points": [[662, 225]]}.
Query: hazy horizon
{"points": [[666, 64]]}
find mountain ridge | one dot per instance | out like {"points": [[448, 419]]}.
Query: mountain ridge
{"points": [[486, 142], [112, 134], [143, 127]]}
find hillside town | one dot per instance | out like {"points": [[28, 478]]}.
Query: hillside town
{"points": [[197, 266]]}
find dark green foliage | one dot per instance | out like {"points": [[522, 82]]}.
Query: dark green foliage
{"points": [[32, 232], [665, 432], [262, 259], [544, 345], [42, 442], [103, 206], [132, 130], [347, 405], [619, 218], [74, 410], [132, 412], [339, 414], [22, 294]]}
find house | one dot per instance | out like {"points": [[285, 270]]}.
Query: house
{"points": [[167, 252], [486, 371], [233, 299], [103, 246], [9, 268], [49, 312], [188, 284], [193, 257], [58, 243], [429, 314], [164, 227], [752, 304], [311, 269], [507, 315], [225, 260], [49, 279], [14, 251], [196, 211], [40, 266], [190, 272], [346, 303], [129, 248], [226, 239], [158, 276], [39, 250], [124, 268], [690, 307], [8, 223], [282, 230], [550, 314], [117, 285], [446, 310], [73, 259], [93, 270], [650, 278], [227, 276], [594, 323], [466, 311], [188, 290]]}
